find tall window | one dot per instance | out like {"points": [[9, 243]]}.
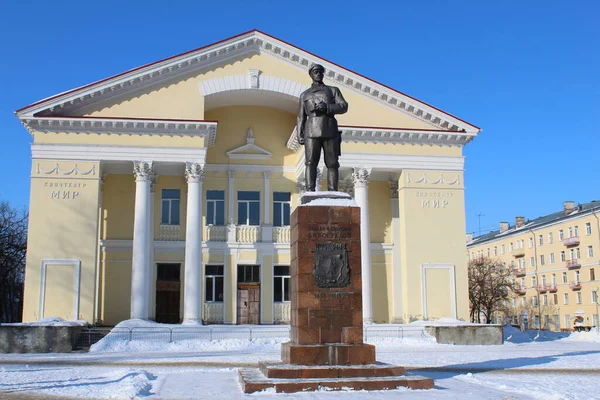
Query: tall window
{"points": [[248, 208], [534, 300], [215, 207], [552, 258], [576, 230], [570, 231], [545, 300], [566, 298], [510, 247], [550, 237], [563, 256], [531, 261], [541, 239], [530, 242], [213, 283], [502, 249], [561, 235], [577, 277], [594, 297], [542, 260], [495, 250], [592, 274], [170, 200], [578, 253], [281, 208], [533, 281], [588, 228], [564, 277], [281, 283], [578, 297], [590, 251], [553, 280]]}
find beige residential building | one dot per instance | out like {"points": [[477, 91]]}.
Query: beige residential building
{"points": [[165, 192], [555, 263]]}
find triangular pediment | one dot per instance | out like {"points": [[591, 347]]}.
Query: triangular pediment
{"points": [[249, 151], [79, 101]]}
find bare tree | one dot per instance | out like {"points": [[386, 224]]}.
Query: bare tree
{"points": [[490, 283], [13, 246]]}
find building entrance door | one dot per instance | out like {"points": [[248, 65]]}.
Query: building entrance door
{"points": [[248, 294], [168, 292]]}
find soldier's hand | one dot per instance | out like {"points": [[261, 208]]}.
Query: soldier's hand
{"points": [[322, 107]]}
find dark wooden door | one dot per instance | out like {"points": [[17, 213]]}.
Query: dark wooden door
{"points": [[168, 292], [248, 306]]}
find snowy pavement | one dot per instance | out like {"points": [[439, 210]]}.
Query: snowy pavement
{"points": [[529, 367]]}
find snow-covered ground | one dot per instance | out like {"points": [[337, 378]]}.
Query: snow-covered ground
{"points": [[527, 366]]}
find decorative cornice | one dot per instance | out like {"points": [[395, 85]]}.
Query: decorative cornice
{"points": [[361, 176], [253, 42], [143, 170], [357, 134], [129, 126], [249, 150], [73, 171], [194, 172], [440, 180]]}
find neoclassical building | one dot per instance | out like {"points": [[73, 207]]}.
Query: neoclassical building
{"points": [[165, 192]]}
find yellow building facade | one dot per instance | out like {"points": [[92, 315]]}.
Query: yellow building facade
{"points": [[164, 192], [554, 261]]}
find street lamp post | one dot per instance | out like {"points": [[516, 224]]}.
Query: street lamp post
{"points": [[595, 291]]}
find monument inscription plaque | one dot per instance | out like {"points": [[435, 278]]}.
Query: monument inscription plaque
{"points": [[331, 265]]}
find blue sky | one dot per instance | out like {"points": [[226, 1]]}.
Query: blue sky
{"points": [[527, 73]]}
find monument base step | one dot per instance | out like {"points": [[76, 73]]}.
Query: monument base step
{"points": [[328, 354], [287, 378]]}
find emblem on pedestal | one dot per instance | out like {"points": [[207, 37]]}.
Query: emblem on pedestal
{"points": [[331, 265]]}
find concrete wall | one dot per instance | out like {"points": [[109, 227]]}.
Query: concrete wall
{"points": [[38, 339], [467, 334]]}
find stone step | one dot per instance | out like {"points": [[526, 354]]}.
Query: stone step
{"points": [[291, 371], [253, 380]]}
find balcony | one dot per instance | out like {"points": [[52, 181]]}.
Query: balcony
{"points": [[518, 253], [543, 288], [572, 241], [248, 234], [552, 288], [520, 290], [168, 233], [573, 264], [519, 271], [281, 234], [575, 285], [215, 233]]}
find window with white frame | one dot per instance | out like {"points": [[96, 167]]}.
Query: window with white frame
{"points": [[523, 301], [577, 277], [553, 280], [578, 253], [170, 204], [281, 283], [566, 298], [550, 237], [532, 261], [543, 280], [570, 231], [542, 260], [522, 244], [594, 297], [533, 281], [578, 297], [555, 298], [495, 250], [534, 300], [530, 242], [510, 247], [488, 251], [590, 252], [592, 274], [514, 302], [588, 228], [502, 249], [572, 253], [576, 230], [545, 300], [536, 321], [248, 208], [563, 256], [561, 235], [552, 258], [541, 239], [565, 279], [281, 208], [215, 207], [213, 281]]}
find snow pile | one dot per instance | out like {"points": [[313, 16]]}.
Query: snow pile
{"points": [[514, 335], [591, 336], [119, 344], [51, 321]]}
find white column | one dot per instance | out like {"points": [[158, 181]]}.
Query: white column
{"points": [[230, 207], [267, 227], [140, 268], [152, 269], [361, 195], [397, 305], [192, 295]]}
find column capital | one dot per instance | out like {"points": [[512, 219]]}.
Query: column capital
{"points": [[143, 170], [361, 177], [231, 174], [393, 189], [267, 174], [194, 172]]}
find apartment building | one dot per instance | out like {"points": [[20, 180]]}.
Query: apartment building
{"points": [[555, 263]]}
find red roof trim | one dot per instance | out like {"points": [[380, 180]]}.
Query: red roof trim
{"points": [[234, 37], [131, 119]]}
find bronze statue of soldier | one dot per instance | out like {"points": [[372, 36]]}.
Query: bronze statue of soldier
{"points": [[317, 128]]}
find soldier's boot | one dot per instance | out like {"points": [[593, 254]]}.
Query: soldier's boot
{"points": [[311, 177], [332, 179]]}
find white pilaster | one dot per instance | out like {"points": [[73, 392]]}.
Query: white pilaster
{"points": [[397, 305], [230, 207], [192, 300], [140, 268], [361, 177], [267, 227]]}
